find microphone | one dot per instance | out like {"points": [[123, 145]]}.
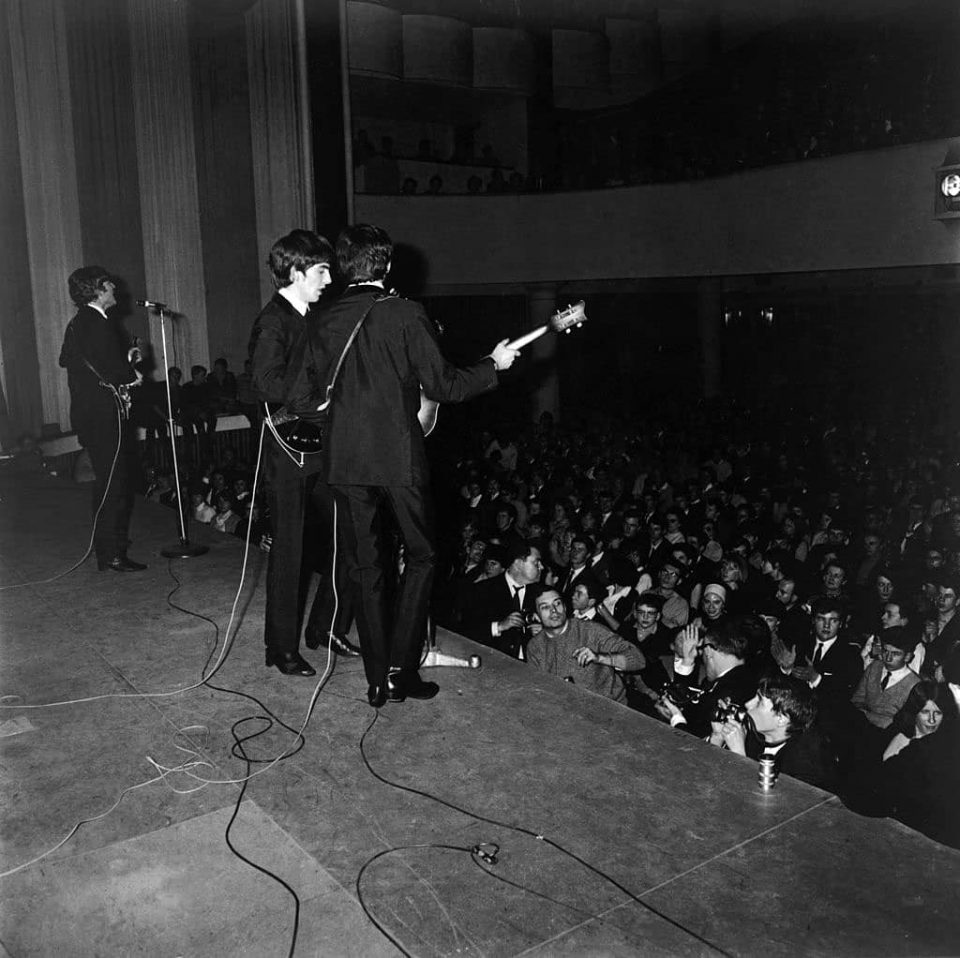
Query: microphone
{"points": [[148, 304], [435, 657]]}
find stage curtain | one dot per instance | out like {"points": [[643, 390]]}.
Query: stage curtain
{"points": [[281, 147], [163, 116], [41, 85]]}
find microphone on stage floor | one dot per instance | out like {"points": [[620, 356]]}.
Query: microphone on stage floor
{"points": [[149, 304], [436, 657]]}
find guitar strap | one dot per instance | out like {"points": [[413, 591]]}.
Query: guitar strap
{"points": [[299, 458], [346, 348]]}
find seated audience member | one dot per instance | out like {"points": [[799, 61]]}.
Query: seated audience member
{"points": [[733, 577], [899, 613], [794, 620], [495, 608], [581, 548], [676, 610], [723, 674], [873, 599], [782, 650], [222, 389], [922, 715], [585, 652], [947, 619], [587, 596], [656, 643], [711, 606], [922, 782], [833, 580], [779, 722], [826, 659], [494, 564], [884, 686], [608, 566], [247, 397], [201, 511], [503, 532], [226, 518], [196, 409]]}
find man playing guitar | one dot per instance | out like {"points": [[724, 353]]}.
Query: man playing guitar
{"points": [[369, 354]]}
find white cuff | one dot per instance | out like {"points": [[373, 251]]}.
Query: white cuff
{"points": [[681, 668]]}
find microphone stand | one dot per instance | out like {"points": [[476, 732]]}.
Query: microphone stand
{"points": [[185, 549]]}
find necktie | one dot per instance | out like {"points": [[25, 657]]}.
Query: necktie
{"points": [[885, 681], [817, 655], [517, 599]]}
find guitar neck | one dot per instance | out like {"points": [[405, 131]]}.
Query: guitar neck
{"points": [[527, 338]]}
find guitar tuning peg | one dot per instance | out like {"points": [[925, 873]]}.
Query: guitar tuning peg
{"points": [[567, 330], [579, 325]]}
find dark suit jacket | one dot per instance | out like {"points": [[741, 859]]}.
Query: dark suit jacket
{"points": [[613, 569], [276, 347], [739, 685], [841, 669], [808, 757], [372, 435], [104, 344], [567, 580], [490, 601]]}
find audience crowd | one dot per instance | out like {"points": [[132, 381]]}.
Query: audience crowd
{"points": [[794, 598]]}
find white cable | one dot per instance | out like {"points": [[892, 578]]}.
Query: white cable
{"points": [[227, 638], [96, 518]]}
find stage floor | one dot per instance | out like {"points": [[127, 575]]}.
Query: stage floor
{"points": [[616, 835]]}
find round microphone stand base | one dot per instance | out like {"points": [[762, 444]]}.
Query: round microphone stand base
{"points": [[185, 550]]}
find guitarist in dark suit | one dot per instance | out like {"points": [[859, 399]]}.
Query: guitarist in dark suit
{"points": [[372, 352], [97, 356], [300, 269]]}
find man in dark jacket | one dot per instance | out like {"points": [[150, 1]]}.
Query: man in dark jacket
{"points": [[96, 354], [300, 269], [373, 353]]}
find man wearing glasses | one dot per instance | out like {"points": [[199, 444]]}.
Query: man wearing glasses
{"points": [[709, 667]]}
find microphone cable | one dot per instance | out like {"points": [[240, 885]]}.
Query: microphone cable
{"points": [[483, 853], [96, 519]]}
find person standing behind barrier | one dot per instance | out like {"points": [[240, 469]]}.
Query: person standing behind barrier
{"points": [[96, 354]]}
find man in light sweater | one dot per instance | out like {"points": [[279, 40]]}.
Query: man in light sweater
{"points": [[586, 653], [885, 684]]}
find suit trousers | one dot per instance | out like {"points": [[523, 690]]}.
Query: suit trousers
{"points": [[288, 574], [395, 641], [116, 490]]}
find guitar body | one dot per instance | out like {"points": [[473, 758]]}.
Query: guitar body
{"points": [[297, 434]]}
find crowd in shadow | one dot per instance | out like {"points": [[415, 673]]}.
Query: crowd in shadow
{"points": [[780, 589]]}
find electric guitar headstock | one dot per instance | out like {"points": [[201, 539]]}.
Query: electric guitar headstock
{"points": [[564, 320]]}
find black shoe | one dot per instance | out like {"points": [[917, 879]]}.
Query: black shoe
{"points": [[340, 645], [402, 685], [120, 564], [376, 696], [290, 663]]}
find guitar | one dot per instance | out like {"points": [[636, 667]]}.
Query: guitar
{"points": [[561, 321], [290, 430]]}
